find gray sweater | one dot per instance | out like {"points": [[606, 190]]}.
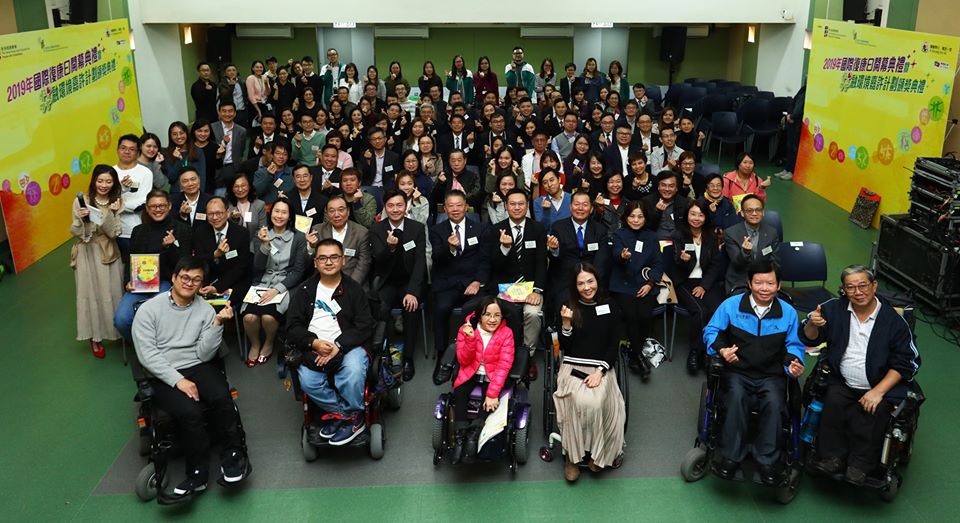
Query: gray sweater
{"points": [[168, 338]]}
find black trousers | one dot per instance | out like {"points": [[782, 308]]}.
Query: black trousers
{"points": [[637, 317], [391, 297], [743, 394], [190, 415], [461, 396], [443, 304], [847, 431], [701, 309]]}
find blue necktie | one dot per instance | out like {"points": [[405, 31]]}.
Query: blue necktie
{"points": [[580, 238]]}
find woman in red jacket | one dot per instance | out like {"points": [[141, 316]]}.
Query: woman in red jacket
{"points": [[485, 355]]}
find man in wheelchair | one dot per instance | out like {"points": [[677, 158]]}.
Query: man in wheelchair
{"points": [[329, 320], [873, 359], [176, 336], [755, 334]]}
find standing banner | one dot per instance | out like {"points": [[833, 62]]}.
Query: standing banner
{"points": [[876, 100], [70, 93]]}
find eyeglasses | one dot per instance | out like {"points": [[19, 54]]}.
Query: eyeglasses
{"points": [[157, 207], [753, 211], [186, 280], [491, 315], [216, 214], [334, 258], [861, 287]]}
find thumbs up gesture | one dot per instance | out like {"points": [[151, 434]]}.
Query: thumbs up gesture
{"points": [[816, 318], [505, 239]]}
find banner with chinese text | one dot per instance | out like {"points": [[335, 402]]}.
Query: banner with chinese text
{"points": [[69, 94], [876, 100]]}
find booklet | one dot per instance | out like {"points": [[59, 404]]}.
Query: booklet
{"points": [[145, 272], [255, 293], [496, 421]]}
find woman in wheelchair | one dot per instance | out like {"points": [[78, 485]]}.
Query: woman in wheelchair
{"points": [[590, 408], [485, 354], [873, 360]]}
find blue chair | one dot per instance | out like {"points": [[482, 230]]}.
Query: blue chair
{"points": [[748, 89], [654, 93], [377, 193], [695, 80], [765, 95], [689, 98], [802, 262], [755, 115], [772, 218], [726, 128], [711, 104]]}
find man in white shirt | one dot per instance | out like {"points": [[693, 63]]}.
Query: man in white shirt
{"points": [[563, 142], [530, 163], [137, 180], [667, 155]]}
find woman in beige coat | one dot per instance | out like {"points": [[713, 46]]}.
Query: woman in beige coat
{"points": [[95, 258]]}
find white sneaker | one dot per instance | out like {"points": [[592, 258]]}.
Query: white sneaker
{"points": [[787, 176], [779, 174]]}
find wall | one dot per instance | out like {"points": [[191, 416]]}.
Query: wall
{"points": [[8, 17], [471, 42], [930, 19], [704, 57], [748, 62], [903, 14], [191, 55], [246, 50], [31, 15]]}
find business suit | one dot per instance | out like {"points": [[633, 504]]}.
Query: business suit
{"points": [[567, 87], [765, 248], [446, 144], [563, 261], [258, 218], [613, 157], [226, 172], [356, 249], [713, 264], [177, 199], [315, 204], [400, 272], [368, 167], [532, 266], [599, 139], [225, 273], [654, 140], [657, 221], [468, 179], [453, 273]]}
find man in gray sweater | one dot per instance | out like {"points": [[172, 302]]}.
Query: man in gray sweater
{"points": [[176, 335]]}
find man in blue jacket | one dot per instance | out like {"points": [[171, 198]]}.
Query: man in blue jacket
{"points": [[872, 354], [756, 335]]}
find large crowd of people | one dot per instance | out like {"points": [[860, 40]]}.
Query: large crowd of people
{"points": [[339, 198]]}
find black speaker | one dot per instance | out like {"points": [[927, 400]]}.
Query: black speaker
{"points": [[219, 46], [673, 43], [855, 10], [83, 11]]}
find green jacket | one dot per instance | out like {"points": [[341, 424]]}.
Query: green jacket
{"points": [[466, 90]]}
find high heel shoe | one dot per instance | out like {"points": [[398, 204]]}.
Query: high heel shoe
{"points": [[98, 351], [261, 359]]}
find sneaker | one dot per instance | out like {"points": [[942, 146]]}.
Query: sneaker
{"points": [[349, 429], [779, 174], [234, 466], [196, 482], [787, 176], [329, 425]]}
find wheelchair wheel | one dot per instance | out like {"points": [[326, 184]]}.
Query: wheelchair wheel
{"points": [[521, 445], [788, 492], [394, 398], [146, 485], [377, 441], [437, 438], [310, 452], [694, 465], [889, 493]]}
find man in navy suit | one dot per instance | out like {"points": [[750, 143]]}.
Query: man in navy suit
{"points": [[190, 203], [232, 136], [459, 265], [617, 155], [573, 241]]}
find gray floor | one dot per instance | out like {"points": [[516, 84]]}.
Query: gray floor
{"points": [[661, 430]]}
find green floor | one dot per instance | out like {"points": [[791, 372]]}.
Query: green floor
{"points": [[65, 417]]}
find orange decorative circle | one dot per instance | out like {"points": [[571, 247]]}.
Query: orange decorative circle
{"points": [[885, 151], [103, 137], [55, 184], [832, 150]]}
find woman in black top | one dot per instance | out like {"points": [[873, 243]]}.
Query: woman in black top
{"points": [[284, 92], [696, 266], [638, 183], [201, 133], [689, 138], [429, 78], [595, 179], [575, 163], [308, 105], [590, 409]]}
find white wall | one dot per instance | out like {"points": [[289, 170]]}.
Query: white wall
{"points": [[159, 72], [780, 56]]}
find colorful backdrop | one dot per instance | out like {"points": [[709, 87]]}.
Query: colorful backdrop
{"points": [[876, 100], [69, 94]]}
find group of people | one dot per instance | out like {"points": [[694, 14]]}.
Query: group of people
{"points": [[576, 190]]}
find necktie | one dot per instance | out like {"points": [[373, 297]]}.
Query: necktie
{"points": [[456, 230], [219, 237], [754, 238], [518, 242], [457, 144], [607, 138], [455, 184], [398, 234], [580, 238]]}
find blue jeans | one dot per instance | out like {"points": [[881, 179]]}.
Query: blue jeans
{"points": [[123, 318], [345, 394]]}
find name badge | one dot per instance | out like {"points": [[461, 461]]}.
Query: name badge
{"points": [[248, 216], [176, 243], [639, 246], [671, 216], [689, 247], [230, 254], [592, 247], [606, 201], [472, 241], [334, 307], [530, 244], [409, 245], [274, 250], [576, 161], [340, 164], [200, 216], [315, 147], [603, 310], [278, 183], [388, 169], [766, 250], [350, 252], [397, 133], [311, 211], [796, 244], [349, 150]]}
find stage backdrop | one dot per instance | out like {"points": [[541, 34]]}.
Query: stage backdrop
{"points": [[70, 93], [876, 100]]}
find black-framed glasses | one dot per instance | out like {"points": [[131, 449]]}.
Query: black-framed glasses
{"points": [[333, 258]]}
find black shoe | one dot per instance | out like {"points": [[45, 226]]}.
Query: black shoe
{"points": [[234, 466], [829, 465], [693, 361], [442, 372], [726, 469], [458, 447], [408, 370], [645, 369], [532, 371], [855, 476], [196, 482], [771, 475], [470, 445]]}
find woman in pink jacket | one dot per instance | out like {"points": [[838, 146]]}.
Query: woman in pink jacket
{"points": [[743, 181], [485, 355]]}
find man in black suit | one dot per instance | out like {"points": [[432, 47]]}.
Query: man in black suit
{"points": [[644, 135], [378, 162], [571, 242], [204, 94], [189, 202], [667, 207], [458, 178], [570, 83], [306, 200], [232, 136], [400, 268], [498, 129], [459, 266], [603, 137], [266, 133], [748, 241], [458, 138], [326, 176], [517, 250], [225, 247], [617, 156]]}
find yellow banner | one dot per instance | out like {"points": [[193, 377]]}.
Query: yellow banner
{"points": [[69, 94], [876, 100]]}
